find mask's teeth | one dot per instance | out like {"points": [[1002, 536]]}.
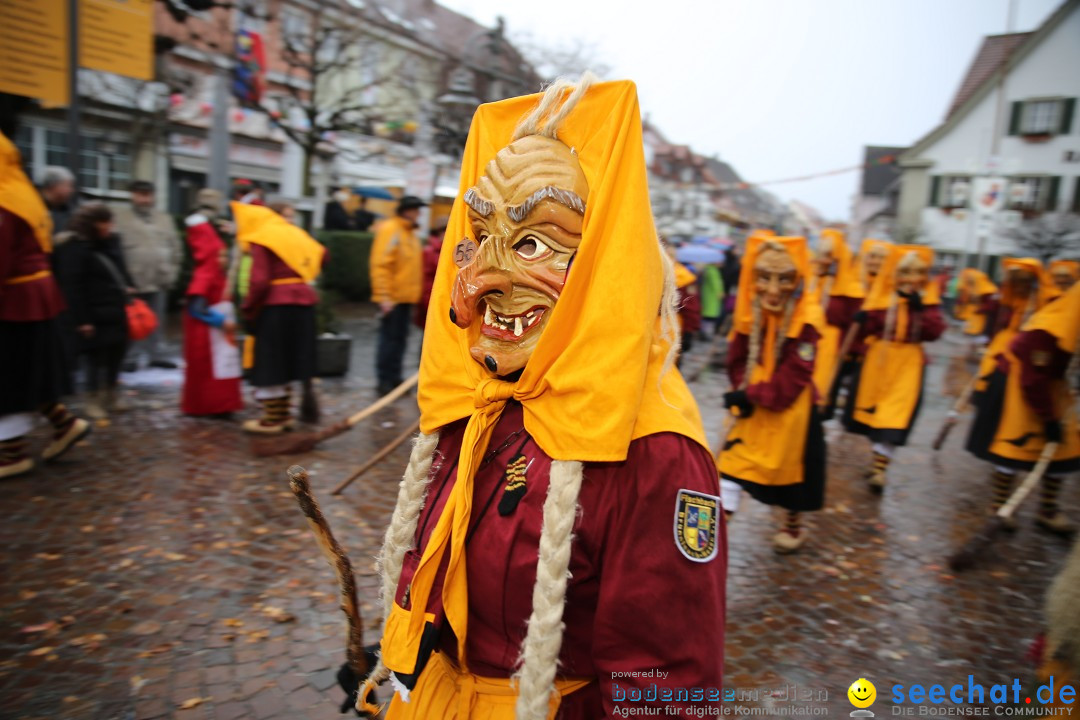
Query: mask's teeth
{"points": [[517, 327], [488, 316]]}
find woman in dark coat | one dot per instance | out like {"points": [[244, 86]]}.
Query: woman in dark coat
{"points": [[96, 285]]}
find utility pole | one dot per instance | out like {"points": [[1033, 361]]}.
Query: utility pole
{"points": [[993, 163]]}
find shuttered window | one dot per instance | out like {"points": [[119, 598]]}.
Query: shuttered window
{"points": [[1052, 116]]}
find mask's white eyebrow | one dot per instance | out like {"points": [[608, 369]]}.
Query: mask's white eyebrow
{"points": [[567, 198], [484, 208]]}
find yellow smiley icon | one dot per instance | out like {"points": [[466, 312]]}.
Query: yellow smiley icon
{"points": [[862, 693]]}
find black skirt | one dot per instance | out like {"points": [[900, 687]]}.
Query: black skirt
{"points": [[284, 345], [989, 405], [34, 365], [889, 436], [807, 496]]}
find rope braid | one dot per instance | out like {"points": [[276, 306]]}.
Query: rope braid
{"points": [[669, 312], [531, 123], [754, 353], [400, 536], [543, 639]]}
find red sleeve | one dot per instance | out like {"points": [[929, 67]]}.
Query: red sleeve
{"points": [[932, 324], [1041, 363], [659, 614], [7, 248], [259, 285], [794, 371], [873, 325], [840, 312], [738, 349]]}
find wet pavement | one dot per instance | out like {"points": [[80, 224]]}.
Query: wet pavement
{"points": [[163, 571]]}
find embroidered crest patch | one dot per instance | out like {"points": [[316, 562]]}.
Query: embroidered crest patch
{"points": [[695, 524], [806, 351]]}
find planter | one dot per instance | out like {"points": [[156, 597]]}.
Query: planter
{"points": [[332, 355]]}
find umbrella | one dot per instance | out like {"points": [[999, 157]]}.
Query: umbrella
{"points": [[375, 193], [699, 254]]}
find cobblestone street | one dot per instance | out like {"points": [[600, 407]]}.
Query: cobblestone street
{"points": [[162, 571]]}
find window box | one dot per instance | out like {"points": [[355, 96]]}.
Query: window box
{"points": [[1037, 137]]}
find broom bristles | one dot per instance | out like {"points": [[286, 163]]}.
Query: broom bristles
{"points": [[295, 444], [966, 557]]}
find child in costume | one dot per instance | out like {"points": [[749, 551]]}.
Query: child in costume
{"points": [[1027, 403], [776, 449], [534, 527], [902, 311], [203, 393], [34, 371], [280, 307]]}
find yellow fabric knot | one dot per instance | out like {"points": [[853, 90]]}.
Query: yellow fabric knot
{"points": [[493, 390]]}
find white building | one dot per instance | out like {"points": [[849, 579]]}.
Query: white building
{"points": [[1009, 148]]}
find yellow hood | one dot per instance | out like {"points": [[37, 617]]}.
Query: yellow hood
{"points": [[19, 196]]}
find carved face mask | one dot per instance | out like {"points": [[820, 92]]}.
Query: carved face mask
{"points": [[1021, 282], [874, 258], [775, 277], [823, 258], [912, 274], [1063, 278], [526, 214]]}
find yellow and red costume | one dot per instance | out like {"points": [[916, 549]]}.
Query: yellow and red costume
{"points": [[887, 387], [833, 292], [976, 303], [597, 403]]}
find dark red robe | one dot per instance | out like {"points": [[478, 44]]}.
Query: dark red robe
{"points": [[634, 604], [204, 394]]}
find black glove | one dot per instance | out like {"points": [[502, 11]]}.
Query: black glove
{"points": [[914, 301], [738, 399], [351, 684], [1052, 431], [859, 317]]}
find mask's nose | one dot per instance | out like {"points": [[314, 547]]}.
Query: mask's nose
{"points": [[476, 281]]}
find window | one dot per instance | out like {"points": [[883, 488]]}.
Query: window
{"points": [[1076, 195], [1040, 117], [1043, 116], [105, 162], [950, 191], [295, 27], [1034, 193]]}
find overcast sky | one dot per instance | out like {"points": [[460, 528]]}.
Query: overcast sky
{"points": [[780, 88]]}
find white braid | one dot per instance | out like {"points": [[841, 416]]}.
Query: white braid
{"points": [[400, 535], [669, 313], [543, 640], [531, 123]]}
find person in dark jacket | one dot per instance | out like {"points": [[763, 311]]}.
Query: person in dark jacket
{"points": [[96, 284]]}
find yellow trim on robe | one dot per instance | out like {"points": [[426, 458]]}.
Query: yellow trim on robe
{"points": [[443, 691], [28, 278]]}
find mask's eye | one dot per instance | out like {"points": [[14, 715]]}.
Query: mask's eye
{"points": [[530, 248]]}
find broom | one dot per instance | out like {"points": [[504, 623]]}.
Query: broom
{"points": [[954, 415], [306, 442], [968, 555], [377, 457]]}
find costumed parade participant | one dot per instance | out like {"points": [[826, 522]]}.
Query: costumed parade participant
{"points": [[1064, 273], [280, 308], [775, 449], [846, 298], [533, 534], [689, 303], [831, 282], [204, 392], [902, 311], [34, 372], [1024, 289], [977, 305], [1027, 403]]}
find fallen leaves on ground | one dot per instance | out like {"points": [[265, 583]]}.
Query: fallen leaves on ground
{"points": [[37, 652], [193, 702], [43, 627], [157, 650]]}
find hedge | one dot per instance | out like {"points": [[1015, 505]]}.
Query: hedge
{"points": [[346, 270]]}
